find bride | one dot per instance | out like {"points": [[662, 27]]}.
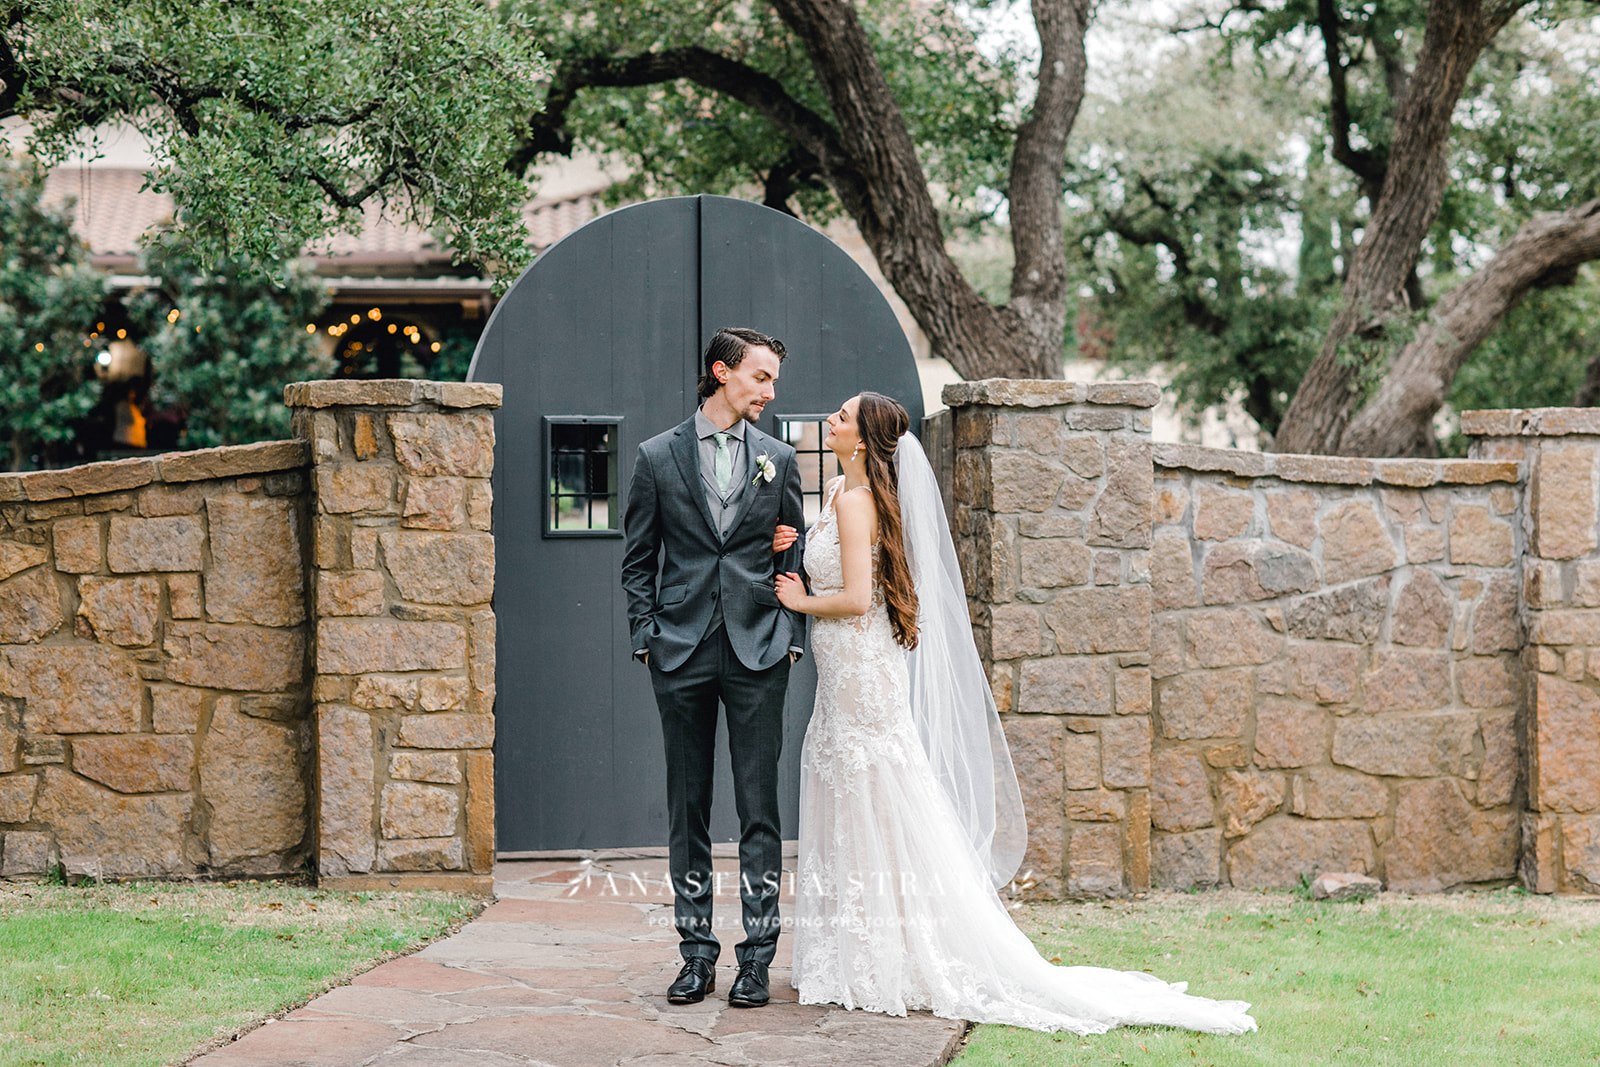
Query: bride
{"points": [[910, 814]]}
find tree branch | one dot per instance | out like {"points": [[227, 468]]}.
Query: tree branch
{"points": [[1365, 164], [1039, 273], [1546, 250]]}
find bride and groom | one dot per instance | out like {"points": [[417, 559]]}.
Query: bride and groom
{"points": [[910, 814]]}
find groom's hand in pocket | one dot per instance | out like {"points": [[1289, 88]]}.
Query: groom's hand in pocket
{"points": [[784, 537]]}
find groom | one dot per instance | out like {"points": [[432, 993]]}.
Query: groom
{"points": [[711, 492]]}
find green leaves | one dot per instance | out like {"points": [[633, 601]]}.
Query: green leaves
{"points": [[276, 121], [49, 297]]}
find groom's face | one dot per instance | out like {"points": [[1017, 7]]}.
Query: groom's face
{"points": [[748, 388]]}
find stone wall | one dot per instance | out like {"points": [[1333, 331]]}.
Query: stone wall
{"points": [[1237, 668], [153, 677], [200, 651], [1558, 450], [1335, 663]]}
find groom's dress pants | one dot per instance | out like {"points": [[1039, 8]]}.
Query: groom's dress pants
{"points": [[687, 698]]}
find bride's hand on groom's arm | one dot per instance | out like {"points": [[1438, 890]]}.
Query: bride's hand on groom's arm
{"points": [[784, 537], [791, 591]]}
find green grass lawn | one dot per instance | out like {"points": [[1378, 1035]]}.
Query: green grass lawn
{"points": [[1459, 979], [126, 974]]}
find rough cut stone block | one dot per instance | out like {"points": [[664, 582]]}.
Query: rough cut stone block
{"points": [[1441, 841], [1245, 798], [1562, 499], [1023, 482], [426, 443], [440, 568], [1180, 792], [106, 476], [1094, 859], [1121, 515], [1180, 861], [254, 778], [1256, 570], [1066, 685], [440, 767], [1049, 564], [367, 488], [30, 607], [350, 593], [256, 573], [176, 709], [234, 657], [137, 763], [123, 611], [447, 730], [73, 689], [410, 809], [1290, 734], [359, 646], [230, 461], [1344, 886], [78, 547], [1566, 746], [1410, 746], [1231, 637], [1205, 704], [1172, 574], [1477, 537], [1221, 514], [423, 854], [170, 543], [1407, 681], [1279, 851], [1353, 613], [1125, 752], [27, 852], [1354, 542], [345, 773], [1101, 620], [16, 797], [102, 833], [1334, 793]]}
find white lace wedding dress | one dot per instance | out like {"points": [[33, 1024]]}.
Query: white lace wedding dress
{"points": [[894, 909]]}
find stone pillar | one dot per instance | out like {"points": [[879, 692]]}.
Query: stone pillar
{"points": [[1559, 449], [1053, 486], [403, 637]]}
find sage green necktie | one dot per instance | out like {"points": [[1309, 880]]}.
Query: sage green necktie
{"points": [[722, 469]]}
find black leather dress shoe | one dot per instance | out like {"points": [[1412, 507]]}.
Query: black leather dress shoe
{"points": [[749, 989], [698, 977]]}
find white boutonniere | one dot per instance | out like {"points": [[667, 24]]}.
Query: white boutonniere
{"points": [[765, 471]]}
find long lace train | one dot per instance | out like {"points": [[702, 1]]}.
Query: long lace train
{"points": [[894, 910]]}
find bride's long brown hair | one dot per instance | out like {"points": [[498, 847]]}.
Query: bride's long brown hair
{"points": [[881, 420]]}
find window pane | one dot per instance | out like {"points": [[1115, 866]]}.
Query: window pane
{"points": [[583, 476], [818, 465]]}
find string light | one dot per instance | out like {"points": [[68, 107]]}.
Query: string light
{"points": [[374, 314], [122, 334], [173, 315], [38, 346], [434, 347], [354, 319], [311, 327], [99, 327], [393, 327]]}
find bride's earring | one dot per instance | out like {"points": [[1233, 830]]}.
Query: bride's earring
{"points": [[855, 452]]}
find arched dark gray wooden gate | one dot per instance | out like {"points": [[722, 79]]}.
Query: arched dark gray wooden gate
{"points": [[597, 346]]}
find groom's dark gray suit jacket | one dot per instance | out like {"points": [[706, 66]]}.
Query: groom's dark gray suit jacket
{"points": [[669, 611]]}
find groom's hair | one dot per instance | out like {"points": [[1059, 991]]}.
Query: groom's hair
{"points": [[728, 345]]}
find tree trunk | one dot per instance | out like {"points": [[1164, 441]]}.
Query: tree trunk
{"points": [[1413, 188], [1398, 418], [895, 212]]}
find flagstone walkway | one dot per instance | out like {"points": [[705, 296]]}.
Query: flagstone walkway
{"points": [[570, 966]]}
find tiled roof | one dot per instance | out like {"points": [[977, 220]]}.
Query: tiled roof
{"points": [[111, 212]]}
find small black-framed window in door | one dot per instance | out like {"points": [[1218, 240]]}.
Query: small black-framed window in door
{"points": [[818, 464], [580, 464]]}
